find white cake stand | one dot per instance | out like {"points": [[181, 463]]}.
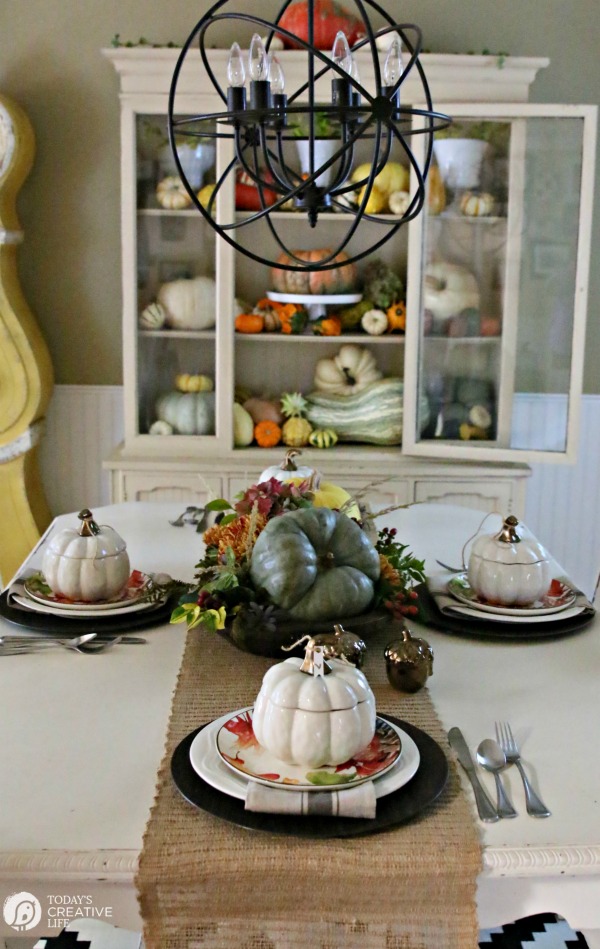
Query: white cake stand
{"points": [[315, 303]]}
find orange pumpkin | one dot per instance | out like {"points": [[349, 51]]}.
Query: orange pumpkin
{"points": [[396, 317], [249, 323], [327, 326], [340, 280], [267, 434]]}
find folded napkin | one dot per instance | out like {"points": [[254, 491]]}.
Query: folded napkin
{"points": [[359, 801]]}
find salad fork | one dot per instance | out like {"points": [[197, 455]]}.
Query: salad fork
{"points": [[535, 805]]}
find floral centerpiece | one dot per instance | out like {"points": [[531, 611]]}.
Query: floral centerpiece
{"points": [[294, 553]]}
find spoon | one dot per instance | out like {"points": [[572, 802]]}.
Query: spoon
{"points": [[491, 757]]}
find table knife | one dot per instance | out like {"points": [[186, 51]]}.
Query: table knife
{"points": [[487, 811]]}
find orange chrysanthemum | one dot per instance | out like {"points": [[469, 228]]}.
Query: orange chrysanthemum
{"points": [[236, 534], [388, 572]]}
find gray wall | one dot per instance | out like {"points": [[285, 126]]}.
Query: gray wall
{"points": [[51, 64]]}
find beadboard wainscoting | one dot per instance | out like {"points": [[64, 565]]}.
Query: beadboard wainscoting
{"points": [[85, 424]]}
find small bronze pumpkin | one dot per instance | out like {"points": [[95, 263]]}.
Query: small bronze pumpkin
{"points": [[409, 662], [342, 644]]}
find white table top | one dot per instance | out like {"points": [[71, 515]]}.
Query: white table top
{"points": [[83, 736]]}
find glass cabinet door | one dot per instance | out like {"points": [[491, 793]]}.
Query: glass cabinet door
{"points": [[496, 352], [174, 361]]}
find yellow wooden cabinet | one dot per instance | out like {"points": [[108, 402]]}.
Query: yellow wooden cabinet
{"points": [[25, 367]]}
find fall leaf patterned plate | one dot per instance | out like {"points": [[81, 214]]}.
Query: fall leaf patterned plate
{"points": [[239, 749]]}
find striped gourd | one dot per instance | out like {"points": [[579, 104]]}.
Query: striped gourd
{"points": [[373, 415]]}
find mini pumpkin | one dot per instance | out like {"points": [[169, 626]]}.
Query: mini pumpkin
{"points": [[374, 322], [399, 202], [193, 382], [474, 204], [171, 194], [249, 323], [396, 317], [327, 326], [267, 434]]}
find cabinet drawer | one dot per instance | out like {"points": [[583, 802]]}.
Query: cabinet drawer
{"points": [[169, 486], [488, 496]]}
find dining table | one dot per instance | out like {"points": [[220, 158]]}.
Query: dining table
{"points": [[83, 737]]}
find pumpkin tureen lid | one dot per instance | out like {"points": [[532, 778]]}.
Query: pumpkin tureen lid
{"points": [[509, 546], [317, 690], [90, 541]]}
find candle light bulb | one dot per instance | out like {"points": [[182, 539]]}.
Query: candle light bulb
{"points": [[393, 67], [341, 54], [258, 60], [236, 74], [276, 77]]}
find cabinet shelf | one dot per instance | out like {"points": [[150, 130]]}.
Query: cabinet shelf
{"points": [[360, 338], [177, 334]]}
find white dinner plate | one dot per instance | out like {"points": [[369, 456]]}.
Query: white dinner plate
{"points": [[81, 613], [239, 749], [460, 588], [208, 764], [135, 594]]}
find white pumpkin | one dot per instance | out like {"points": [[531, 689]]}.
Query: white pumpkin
{"points": [[288, 470], [507, 568], [88, 564], [449, 289], [189, 304], [352, 370], [306, 716], [189, 413]]}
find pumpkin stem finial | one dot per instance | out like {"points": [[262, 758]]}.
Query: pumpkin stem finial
{"points": [[314, 659], [88, 528], [288, 463]]}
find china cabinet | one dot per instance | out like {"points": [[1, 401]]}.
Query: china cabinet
{"points": [[495, 276]]}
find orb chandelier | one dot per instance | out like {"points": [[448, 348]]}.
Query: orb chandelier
{"points": [[266, 120]]}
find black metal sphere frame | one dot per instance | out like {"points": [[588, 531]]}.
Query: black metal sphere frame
{"points": [[259, 134]]}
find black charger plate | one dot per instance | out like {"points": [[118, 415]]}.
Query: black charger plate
{"points": [[45, 622], [490, 629], [395, 808]]}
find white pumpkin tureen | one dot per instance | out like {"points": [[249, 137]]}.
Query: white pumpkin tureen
{"points": [[88, 564], [508, 568], [314, 712]]}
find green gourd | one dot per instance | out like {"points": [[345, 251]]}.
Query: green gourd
{"points": [[190, 413], [316, 564], [372, 415]]}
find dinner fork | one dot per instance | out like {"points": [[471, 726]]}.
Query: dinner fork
{"points": [[535, 805], [84, 644]]}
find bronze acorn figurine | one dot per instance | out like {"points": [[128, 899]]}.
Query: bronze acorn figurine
{"points": [[342, 644], [409, 662]]}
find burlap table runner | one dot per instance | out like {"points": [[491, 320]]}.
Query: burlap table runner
{"points": [[203, 882]]}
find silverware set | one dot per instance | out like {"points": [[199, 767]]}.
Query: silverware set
{"points": [[495, 756], [87, 643]]}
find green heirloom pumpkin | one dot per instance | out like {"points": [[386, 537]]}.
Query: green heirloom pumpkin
{"points": [[316, 564], [189, 413]]}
